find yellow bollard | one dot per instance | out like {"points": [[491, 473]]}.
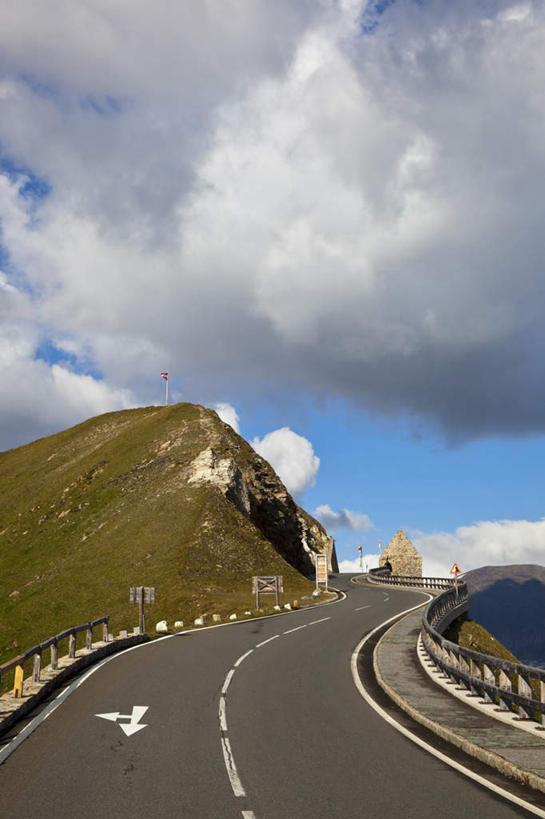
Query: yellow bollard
{"points": [[18, 684]]}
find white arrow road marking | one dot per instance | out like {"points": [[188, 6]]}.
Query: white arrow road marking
{"points": [[132, 726]]}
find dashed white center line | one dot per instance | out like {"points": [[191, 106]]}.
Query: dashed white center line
{"points": [[228, 679], [267, 641], [232, 772], [236, 784], [363, 607], [386, 599], [291, 630], [223, 718], [241, 659]]}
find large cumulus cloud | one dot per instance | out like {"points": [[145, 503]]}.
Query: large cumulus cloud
{"points": [[306, 196]]}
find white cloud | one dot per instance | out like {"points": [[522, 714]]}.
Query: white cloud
{"points": [[228, 414], [291, 456], [190, 215], [343, 519], [353, 566], [486, 543]]}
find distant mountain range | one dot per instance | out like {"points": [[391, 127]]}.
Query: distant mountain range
{"points": [[509, 601]]}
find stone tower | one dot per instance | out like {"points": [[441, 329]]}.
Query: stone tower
{"points": [[402, 555]]}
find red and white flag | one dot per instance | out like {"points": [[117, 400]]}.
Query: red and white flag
{"points": [[165, 376]]}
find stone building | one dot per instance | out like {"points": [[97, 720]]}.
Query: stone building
{"points": [[402, 555]]}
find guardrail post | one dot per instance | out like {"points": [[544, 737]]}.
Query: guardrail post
{"points": [[488, 677], [72, 645], [18, 682], [105, 631], [524, 687], [542, 698], [525, 690], [505, 684], [89, 639], [54, 656], [464, 667], [475, 671], [37, 666]]}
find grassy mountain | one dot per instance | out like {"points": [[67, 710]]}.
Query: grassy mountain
{"points": [[169, 497], [510, 602]]}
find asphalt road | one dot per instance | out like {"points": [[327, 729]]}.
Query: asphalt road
{"points": [[285, 736]]}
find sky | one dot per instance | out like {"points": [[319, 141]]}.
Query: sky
{"points": [[324, 219]]}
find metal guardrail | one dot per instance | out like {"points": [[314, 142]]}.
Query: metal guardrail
{"points": [[511, 686], [382, 575], [52, 643]]}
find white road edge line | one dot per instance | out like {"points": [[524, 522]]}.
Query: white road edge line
{"points": [[227, 682], [291, 630], [363, 607], [313, 622], [248, 814], [267, 641], [241, 659], [236, 784], [429, 748]]}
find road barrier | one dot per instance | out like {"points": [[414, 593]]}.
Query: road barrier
{"points": [[384, 576], [511, 686], [18, 663]]}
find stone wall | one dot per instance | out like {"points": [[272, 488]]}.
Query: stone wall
{"points": [[403, 556]]}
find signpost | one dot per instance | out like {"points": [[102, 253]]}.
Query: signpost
{"points": [[273, 584], [321, 570], [456, 571], [141, 595]]}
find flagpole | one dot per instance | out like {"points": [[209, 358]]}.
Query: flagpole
{"points": [[166, 392]]}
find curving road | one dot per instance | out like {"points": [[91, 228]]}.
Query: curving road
{"points": [[261, 720]]}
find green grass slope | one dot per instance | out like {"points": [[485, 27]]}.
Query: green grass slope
{"points": [[469, 634], [88, 512]]}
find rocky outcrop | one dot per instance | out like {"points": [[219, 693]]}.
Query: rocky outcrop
{"points": [[403, 556], [257, 492]]}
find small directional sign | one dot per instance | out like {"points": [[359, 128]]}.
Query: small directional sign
{"points": [[133, 725]]}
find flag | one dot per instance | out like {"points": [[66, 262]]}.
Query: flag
{"points": [[359, 548], [165, 376]]}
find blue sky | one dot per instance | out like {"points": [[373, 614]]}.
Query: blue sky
{"points": [[327, 216]]}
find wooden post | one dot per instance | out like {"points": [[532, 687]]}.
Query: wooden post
{"points": [[72, 645], [54, 656], [89, 639], [37, 666], [141, 618], [18, 683]]}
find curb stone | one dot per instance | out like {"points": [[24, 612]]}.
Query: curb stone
{"points": [[496, 761]]}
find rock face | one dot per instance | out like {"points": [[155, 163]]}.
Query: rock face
{"points": [[256, 491], [403, 556]]}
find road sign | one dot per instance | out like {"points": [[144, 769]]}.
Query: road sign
{"points": [[149, 594], [133, 725], [141, 595], [270, 584], [321, 570], [455, 570]]}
